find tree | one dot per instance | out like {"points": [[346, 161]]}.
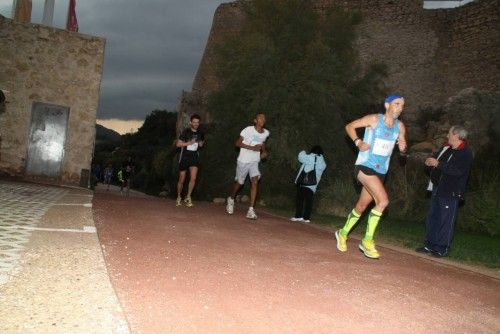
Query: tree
{"points": [[151, 148], [301, 69]]}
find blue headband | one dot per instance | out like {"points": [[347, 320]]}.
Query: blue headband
{"points": [[391, 98]]}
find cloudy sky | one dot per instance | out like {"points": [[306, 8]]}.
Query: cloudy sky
{"points": [[153, 49]]}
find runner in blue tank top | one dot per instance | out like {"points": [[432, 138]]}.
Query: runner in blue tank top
{"points": [[380, 140], [382, 132]]}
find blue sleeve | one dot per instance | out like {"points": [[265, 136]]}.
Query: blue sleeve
{"points": [[305, 158], [320, 163]]}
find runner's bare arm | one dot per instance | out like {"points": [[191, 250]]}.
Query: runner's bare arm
{"points": [[181, 143], [239, 143], [363, 122], [263, 152], [402, 138]]}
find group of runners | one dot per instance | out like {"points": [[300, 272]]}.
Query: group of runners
{"points": [[123, 176], [252, 149], [382, 132]]}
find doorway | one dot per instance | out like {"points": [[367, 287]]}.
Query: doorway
{"points": [[46, 141]]}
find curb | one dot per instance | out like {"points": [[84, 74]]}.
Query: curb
{"points": [[491, 273]]}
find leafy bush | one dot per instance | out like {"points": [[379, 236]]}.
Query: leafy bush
{"points": [[481, 212]]}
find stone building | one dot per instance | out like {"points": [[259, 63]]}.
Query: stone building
{"points": [[53, 78], [432, 55]]}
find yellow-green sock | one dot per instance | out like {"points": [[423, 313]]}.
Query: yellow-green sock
{"points": [[373, 219], [352, 219]]}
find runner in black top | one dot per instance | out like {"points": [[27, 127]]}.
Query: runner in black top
{"points": [[189, 141], [128, 168]]}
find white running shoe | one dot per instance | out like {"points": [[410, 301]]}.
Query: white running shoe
{"points": [[251, 213], [295, 219], [230, 206]]}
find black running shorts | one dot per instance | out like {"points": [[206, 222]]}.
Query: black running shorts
{"points": [[367, 171], [188, 161]]}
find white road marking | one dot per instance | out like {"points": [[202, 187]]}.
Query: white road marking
{"points": [[87, 205], [86, 229]]}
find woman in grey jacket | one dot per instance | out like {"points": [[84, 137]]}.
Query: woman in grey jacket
{"points": [[305, 194]]}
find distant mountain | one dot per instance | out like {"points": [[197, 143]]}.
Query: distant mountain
{"points": [[104, 134]]}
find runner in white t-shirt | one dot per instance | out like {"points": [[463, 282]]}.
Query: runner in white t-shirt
{"points": [[252, 150]]}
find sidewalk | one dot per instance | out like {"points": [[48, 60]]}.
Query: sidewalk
{"points": [[53, 278]]}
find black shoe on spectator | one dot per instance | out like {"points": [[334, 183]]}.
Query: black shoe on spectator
{"points": [[423, 249], [439, 254]]}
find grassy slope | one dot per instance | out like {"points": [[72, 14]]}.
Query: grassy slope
{"points": [[467, 248]]}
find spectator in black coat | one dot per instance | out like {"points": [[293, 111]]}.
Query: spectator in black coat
{"points": [[449, 174]]}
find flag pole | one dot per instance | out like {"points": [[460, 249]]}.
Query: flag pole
{"points": [[48, 12], [14, 5]]}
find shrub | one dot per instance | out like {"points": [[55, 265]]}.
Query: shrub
{"points": [[481, 212]]}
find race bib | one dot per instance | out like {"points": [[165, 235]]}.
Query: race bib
{"points": [[192, 147], [383, 147], [256, 140]]}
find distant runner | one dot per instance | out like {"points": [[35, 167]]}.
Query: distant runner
{"points": [[128, 170], [252, 150], [190, 140], [108, 175]]}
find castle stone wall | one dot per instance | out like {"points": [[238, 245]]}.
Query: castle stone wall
{"points": [[228, 19], [473, 47], [431, 54], [53, 66]]}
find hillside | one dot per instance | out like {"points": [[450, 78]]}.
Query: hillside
{"points": [[105, 134]]}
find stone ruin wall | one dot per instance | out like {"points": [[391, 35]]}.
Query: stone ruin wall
{"points": [[473, 58], [54, 66], [227, 21], [431, 54]]}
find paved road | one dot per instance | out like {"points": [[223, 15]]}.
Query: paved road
{"points": [[198, 270]]}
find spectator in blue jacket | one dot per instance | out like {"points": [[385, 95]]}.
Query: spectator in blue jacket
{"points": [[305, 194], [449, 174]]}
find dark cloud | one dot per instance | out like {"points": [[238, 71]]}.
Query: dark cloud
{"points": [[153, 48]]}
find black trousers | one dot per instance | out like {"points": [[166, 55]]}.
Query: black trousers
{"points": [[440, 223], [304, 203]]}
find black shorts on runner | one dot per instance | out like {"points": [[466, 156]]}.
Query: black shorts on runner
{"points": [[367, 171], [188, 161]]}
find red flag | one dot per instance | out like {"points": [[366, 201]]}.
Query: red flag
{"points": [[72, 23]]}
